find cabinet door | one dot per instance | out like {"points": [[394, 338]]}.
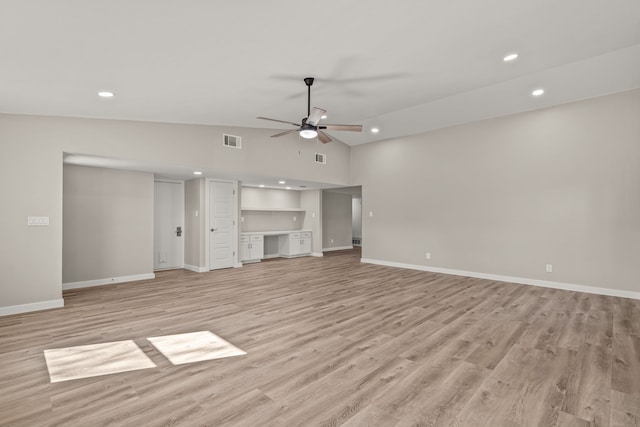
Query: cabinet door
{"points": [[245, 251], [294, 245], [257, 249], [305, 245]]}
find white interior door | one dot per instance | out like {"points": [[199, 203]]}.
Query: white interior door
{"points": [[222, 235], [168, 219]]}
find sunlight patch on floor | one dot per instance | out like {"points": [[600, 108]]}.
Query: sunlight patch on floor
{"points": [[194, 347], [93, 360]]}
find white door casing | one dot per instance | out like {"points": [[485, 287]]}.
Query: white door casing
{"points": [[222, 225], [168, 219]]}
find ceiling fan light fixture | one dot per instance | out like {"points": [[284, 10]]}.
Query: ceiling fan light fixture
{"points": [[308, 131]]}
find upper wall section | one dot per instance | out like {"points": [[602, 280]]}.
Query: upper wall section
{"points": [[194, 146]]}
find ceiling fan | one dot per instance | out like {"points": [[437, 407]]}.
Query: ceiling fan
{"points": [[310, 127]]}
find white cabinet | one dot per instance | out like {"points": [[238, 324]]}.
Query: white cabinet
{"points": [[251, 247], [290, 244], [295, 244], [305, 242]]}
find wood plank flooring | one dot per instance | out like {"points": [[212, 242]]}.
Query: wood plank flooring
{"points": [[330, 342]]}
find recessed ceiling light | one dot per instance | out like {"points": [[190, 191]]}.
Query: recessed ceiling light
{"points": [[375, 130], [510, 57], [197, 173], [288, 188], [537, 92], [261, 185], [282, 182], [106, 94], [324, 116]]}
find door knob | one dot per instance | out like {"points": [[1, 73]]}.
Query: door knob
{"points": [[214, 229]]}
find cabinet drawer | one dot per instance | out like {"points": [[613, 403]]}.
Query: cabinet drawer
{"points": [[245, 238], [294, 235], [256, 238], [305, 234]]}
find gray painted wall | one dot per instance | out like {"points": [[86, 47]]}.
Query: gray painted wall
{"points": [[32, 147], [356, 214], [108, 223], [271, 198], [507, 196], [336, 220], [311, 202], [195, 223], [503, 196], [266, 220]]}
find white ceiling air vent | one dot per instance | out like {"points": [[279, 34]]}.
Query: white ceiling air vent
{"points": [[232, 141], [321, 158]]}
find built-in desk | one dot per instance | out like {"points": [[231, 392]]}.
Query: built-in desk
{"points": [[257, 245]]}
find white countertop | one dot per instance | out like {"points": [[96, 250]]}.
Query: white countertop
{"points": [[275, 233]]}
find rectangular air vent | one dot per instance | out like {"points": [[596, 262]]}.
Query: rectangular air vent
{"points": [[232, 141], [321, 158]]}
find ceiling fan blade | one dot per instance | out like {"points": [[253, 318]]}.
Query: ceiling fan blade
{"points": [[315, 116], [286, 132], [352, 128], [323, 137], [279, 121]]}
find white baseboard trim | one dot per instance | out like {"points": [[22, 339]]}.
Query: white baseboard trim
{"points": [[520, 280], [318, 254], [269, 256], [238, 265], [34, 306], [337, 248], [107, 281], [195, 269]]}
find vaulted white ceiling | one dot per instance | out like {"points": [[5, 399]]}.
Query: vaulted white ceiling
{"points": [[405, 66]]}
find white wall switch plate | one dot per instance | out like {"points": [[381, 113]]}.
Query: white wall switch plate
{"points": [[241, 219], [549, 268], [370, 213], [37, 220], [428, 255], [294, 219]]}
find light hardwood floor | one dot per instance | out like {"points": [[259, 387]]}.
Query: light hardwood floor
{"points": [[330, 342]]}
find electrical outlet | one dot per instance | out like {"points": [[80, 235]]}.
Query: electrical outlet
{"points": [[549, 268], [428, 255]]}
